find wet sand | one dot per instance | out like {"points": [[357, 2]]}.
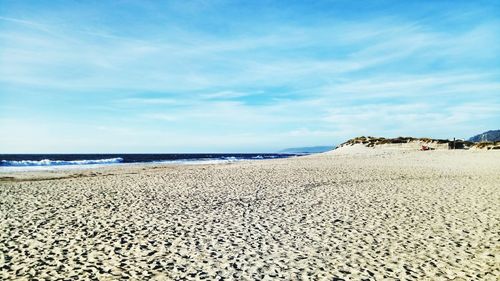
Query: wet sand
{"points": [[355, 213]]}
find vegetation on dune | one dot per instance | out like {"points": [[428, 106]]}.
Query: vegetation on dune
{"points": [[370, 141], [488, 144]]}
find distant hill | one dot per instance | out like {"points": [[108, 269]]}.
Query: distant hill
{"points": [[310, 149], [493, 135]]}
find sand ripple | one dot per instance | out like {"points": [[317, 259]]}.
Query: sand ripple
{"points": [[338, 216]]}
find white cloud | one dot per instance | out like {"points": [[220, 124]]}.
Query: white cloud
{"points": [[160, 116], [322, 82], [194, 63], [225, 95], [151, 101]]}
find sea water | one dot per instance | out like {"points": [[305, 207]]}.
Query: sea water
{"points": [[31, 162]]}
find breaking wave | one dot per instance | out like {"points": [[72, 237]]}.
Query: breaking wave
{"points": [[48, 162]]}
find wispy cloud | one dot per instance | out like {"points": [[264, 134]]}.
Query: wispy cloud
{"points": [[159, 116], [225, 95], [296, 75], [152, 101]]}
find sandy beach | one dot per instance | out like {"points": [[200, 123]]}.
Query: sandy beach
{"points": [[351, 214]]}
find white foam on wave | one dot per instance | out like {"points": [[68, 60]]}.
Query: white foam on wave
{"points": [[16, 169], [56, 165], [48, 162], [200, 161]]}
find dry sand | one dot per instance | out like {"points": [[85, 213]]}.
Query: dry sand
{"points": [[356, 213]]}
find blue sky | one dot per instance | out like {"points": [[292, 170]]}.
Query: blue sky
{"points": [[250, 76]]}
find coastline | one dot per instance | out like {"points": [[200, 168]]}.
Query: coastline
{"points": [[21, 163], [351, 213]]}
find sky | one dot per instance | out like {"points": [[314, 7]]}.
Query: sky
{"points": [[243, 76]]}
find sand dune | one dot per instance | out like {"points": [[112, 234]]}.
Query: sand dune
{"points": [[354, 213]]}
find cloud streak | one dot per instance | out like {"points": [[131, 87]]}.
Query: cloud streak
{"points": [[318, 79]]}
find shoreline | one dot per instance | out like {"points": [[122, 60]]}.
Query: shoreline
{"points": [[224, 159]]}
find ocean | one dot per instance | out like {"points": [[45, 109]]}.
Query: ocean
{"points": [[16, 162]]}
